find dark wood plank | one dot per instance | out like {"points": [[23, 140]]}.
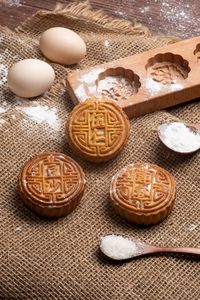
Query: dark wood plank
{"points": [[164, 17], [13, 16]]}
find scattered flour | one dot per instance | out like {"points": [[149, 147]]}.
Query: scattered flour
{"points": [[91, 76], [106, 43], [41, 114], [10, 3], [87, 86], [176, 87], [177, 20], [155, 87], [81, 93], [193, 227], [18, 229], [152, 86], [117, 87], [2, 110]]}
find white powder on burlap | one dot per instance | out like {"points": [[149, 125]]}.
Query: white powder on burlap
{"points": [[118, 247], [179, 137], [42, 114]]}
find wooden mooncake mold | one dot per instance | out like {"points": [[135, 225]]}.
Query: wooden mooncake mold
{"points": [[144, 82], [143, 193], [97, 130], [51, 184]]}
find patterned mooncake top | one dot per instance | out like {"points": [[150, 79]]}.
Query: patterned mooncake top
{"points": [[143, 187], [98, 129], [51, 178]]}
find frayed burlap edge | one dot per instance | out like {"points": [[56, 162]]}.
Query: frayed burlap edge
{"points": [[84, 11]]}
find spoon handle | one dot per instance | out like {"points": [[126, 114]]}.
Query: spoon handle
{"points": [[181, 250]]}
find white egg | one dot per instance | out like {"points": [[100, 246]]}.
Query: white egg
{"points": [[30, 78], [62, 45]]}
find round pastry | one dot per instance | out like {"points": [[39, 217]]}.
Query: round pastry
{"points": [[143, 193], [51, 184], [97, 129]]}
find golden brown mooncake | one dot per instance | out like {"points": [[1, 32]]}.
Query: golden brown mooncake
{"points": [[51, 184], [97, 129], [143, 193]]}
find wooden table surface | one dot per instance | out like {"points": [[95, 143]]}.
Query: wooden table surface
{"points": [[164, 17]]}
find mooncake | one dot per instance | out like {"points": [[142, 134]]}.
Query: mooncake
{"points": [[97, 129], [51, 184], [143, 193]]}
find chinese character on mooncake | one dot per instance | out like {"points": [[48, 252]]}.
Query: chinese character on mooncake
{"points": [[143, 193], [97, 130], [51, 184]]}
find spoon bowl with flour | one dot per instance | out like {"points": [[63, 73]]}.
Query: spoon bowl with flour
{"points": [[120, 248], [180, 137]]}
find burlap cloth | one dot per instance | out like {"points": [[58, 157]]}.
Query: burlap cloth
{"points": [[59, 259]]}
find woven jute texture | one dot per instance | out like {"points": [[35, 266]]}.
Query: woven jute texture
{"points": [[59, 259]]}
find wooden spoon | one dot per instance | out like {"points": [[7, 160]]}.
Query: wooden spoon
{"points": [[195, 128], [119, 247]]}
